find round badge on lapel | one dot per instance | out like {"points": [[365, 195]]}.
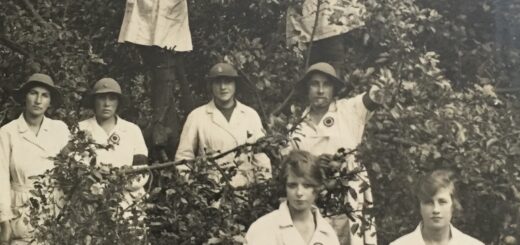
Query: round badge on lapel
{"points": [[328, 121], [114, 139]]}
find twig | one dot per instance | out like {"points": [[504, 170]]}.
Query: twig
{"points": [[255, 91], [393, 102], [184, 162], [316, 18], [307, 60], [508, 90], [396, 140], [279, 108], [36, 14], [224, 175], [14, 46], [515, 133]]}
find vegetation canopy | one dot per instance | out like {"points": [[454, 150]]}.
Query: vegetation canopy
{"points": [[455, 107]]}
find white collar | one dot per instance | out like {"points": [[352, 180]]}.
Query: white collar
{"points": [[211, 107], [456, 235], [285, 220], [24, 127]]}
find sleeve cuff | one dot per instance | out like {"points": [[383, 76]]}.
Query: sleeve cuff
{"points": [[140, 160], [369, 103]]}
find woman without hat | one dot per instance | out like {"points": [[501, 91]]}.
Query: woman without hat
{"points": [[297, 221], [221, 125], [26, 146], [107, 128], [438, 202]]}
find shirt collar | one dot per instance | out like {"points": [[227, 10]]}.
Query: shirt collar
{"points": [[211, 107], [332, 108], [24, 127], [286, 220], [455, 234], [117, 128]]}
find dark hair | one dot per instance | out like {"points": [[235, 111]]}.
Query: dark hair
{"points": [[303, 89], [239, 86], [303, 164], [432, 182], [32, 84], [88, 101]]}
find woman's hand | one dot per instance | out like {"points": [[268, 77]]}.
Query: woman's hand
{"points": [[137, 182]]}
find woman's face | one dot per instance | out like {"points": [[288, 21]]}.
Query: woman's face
{"points": [[223, 89], [437, 212], [301, 193], [37, 101], [321, 91], [105, 105]]}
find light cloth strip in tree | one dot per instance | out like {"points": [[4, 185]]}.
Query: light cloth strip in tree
{"points": [[162, 23]]}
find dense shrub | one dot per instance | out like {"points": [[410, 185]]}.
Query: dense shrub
{"points": [[452, 59]]}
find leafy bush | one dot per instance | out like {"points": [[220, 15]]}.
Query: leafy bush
{"points": [[453, 61]]}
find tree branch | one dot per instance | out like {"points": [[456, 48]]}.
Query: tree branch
{"points": [[14, 46], [255, 91], [307, 60], [36, 15], [279, 108], [316, 18], [508, 90], [398, 140], [184, 162]]}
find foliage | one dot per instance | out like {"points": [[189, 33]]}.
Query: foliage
{"points": [[181, 209], [89, 198], [451, 58]]}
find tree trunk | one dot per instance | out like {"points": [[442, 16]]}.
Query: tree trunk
{"points": [[166, 72]]}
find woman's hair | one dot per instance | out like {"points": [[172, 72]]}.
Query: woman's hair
{"points": [[239, 85], [304, 89], [34, 84], [304, 165], [432, 182]]}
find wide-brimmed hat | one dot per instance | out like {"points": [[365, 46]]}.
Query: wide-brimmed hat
{"points": [[38, 79], [103, 86], [326, 69]]}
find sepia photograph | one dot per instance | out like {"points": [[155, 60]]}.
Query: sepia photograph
{"points": [[259, 122]]}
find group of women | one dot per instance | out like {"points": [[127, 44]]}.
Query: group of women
{"points": [[27, 143]]}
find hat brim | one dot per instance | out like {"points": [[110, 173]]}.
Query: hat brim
{"points": [[20, 93], [211, 78], [88, 100], [337, 82], [302, 86]]}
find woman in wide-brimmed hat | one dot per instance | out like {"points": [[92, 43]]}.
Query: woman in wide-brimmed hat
{"points": [[26, 146], [331, 123], [107, 128], [222, 124]]}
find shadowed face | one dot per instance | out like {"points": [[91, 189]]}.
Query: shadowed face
{"points": [[105, 105], [223, 89], [321, 91], [437, 212], [37, 101]]}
